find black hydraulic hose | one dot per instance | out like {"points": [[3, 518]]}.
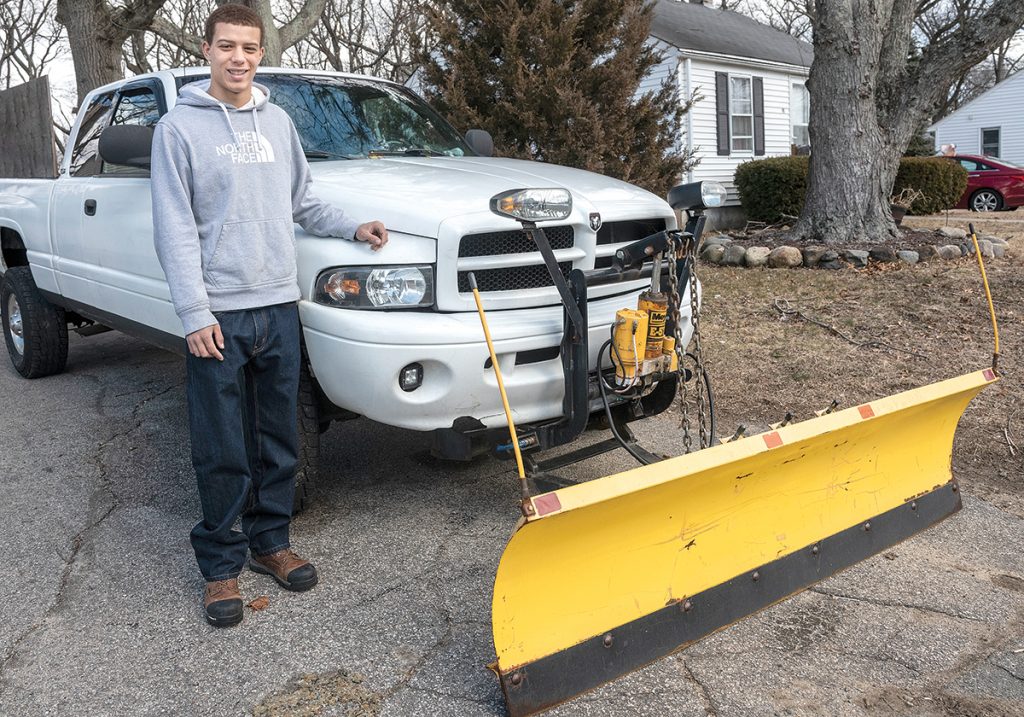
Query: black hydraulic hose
{"points": [[608, 409]]}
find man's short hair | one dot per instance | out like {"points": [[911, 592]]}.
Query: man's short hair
{"points": [[233, 15]]}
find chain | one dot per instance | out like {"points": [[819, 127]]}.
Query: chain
{"points": [[682, 397], [680, 247]]}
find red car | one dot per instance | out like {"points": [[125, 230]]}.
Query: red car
{"points": [[992, 184]]}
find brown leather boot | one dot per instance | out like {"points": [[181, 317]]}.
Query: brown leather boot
{"points": [[223, 603], [289, 570]]}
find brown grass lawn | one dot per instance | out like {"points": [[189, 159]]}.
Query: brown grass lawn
{"points": [[931, 322]]}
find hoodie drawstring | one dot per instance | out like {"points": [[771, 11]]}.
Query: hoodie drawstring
{"points": [[255, 122]]}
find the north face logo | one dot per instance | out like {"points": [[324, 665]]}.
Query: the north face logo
{"points": [[248, 148]]}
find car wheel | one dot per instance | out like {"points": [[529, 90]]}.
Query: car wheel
{"points": [[308, 418], [986, 200], [36, 331]]}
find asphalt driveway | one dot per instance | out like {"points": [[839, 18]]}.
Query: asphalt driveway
{"points": [[101, 596]]}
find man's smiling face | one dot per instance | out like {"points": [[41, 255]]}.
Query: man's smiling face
{"points": [[234, 55]]}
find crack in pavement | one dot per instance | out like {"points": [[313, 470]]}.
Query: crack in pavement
{"points": [[1005, 669], [705, 695], [888, 603], [104, 485]]}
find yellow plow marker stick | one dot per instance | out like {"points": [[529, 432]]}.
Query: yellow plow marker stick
{"points": [[615, 573]]}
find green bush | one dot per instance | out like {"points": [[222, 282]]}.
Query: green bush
{"points": [[772, 187], [942, 181], [775, 186]]}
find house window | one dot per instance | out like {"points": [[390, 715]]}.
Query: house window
{"points": [[741, 114], [990, 142], [800, 113]]}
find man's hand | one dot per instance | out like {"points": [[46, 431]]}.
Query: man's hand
{"points": [[206, 343], [373, 233]]}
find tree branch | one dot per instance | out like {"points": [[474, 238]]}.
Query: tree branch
{"points": [[303, 22], [165, 29], [136, 15]]}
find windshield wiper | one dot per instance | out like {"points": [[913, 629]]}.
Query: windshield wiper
{"points": [[321, 154], [409, 152]]}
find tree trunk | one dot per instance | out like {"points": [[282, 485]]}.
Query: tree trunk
{"points": [[867, 100], [96, 33]]}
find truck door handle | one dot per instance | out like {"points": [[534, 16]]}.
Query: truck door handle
{"points": [[90, 207]]}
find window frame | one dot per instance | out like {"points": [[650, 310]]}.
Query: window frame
{"points": [[999, 140], [732, 130], [802, 84]]}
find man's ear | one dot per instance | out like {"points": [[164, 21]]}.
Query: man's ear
{"points": [[206, 50], [263, 51]]}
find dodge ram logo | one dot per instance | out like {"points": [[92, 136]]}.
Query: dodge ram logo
{"points": [[595, 221]]}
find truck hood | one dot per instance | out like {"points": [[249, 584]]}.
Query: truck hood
{"points": [[415, 194]]}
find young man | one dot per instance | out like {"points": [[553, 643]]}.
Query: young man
{"points": [[229, 180]]}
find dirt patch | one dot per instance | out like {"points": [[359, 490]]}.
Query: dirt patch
{"points": [[902, 702], [917, 324], [335, 693]]}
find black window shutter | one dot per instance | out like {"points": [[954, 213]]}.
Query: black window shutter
{"points": [[758, 115], [722, 112]]}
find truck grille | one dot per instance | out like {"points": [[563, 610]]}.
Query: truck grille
{"points": [[625, 232], [513, 242], [512, 278]]}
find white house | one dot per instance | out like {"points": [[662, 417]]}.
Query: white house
{"points": [[751, 80], [992, 123]]}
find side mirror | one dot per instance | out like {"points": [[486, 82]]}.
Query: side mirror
{"points": [[129, 145], [697, 196], [480, 141]]}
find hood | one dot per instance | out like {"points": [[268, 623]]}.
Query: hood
{"points": [[196, 94], [416, 194]]}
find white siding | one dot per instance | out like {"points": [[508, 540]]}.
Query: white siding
{"points": [[777, 128], [658, 74], [1002, 107]]}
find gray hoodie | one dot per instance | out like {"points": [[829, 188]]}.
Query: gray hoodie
{"points": [[228, 185]]}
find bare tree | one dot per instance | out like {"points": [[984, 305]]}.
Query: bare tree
{"points": [[30, 39], [97, 30], [789, 16], [364, 36], [280, 33], [867, 99]]}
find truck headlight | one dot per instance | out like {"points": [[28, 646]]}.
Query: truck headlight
{"points": [[533, 205], [376, 287]]}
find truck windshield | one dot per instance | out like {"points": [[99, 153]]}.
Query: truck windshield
{"points": [[351, 118]]}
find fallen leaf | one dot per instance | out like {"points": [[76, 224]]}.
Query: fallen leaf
{"points": [[259, 603]]}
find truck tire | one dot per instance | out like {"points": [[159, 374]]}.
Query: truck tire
{"points": [[35, 330], [308, 418]]}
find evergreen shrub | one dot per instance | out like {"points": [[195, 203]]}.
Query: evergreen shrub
{"points": [[942, 181], [772, 187]]}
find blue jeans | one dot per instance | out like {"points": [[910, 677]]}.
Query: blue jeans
{"points": [[242, 420]]}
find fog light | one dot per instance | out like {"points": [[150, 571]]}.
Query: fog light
{"points": [[410, 377]]}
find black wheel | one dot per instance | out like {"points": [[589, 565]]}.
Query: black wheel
{"points": [[308, 417], [986, 200], [35, 330]]}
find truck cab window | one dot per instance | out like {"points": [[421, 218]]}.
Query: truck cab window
{"points": [[134, 107], [85, 158]]}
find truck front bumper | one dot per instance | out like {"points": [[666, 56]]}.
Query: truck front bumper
{"points": [[358, 356]]}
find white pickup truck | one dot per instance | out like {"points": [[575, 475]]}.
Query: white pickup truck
{"points": [[405, 346]]}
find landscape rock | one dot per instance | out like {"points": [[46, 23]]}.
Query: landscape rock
{"points": [[712, 253], [950, 251], [723, 239], [832, 264], [985, 247], [928, 253], [756, 256], [998, 240], [907, 256], [785, 257], [858, 258], [951, 232], [999, 250], [966, 249], [733, 255], [814, 254], [884, 254], [830, 255]]}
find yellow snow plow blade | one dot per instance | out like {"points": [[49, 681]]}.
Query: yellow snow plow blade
{"points": [[612, 574]]}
